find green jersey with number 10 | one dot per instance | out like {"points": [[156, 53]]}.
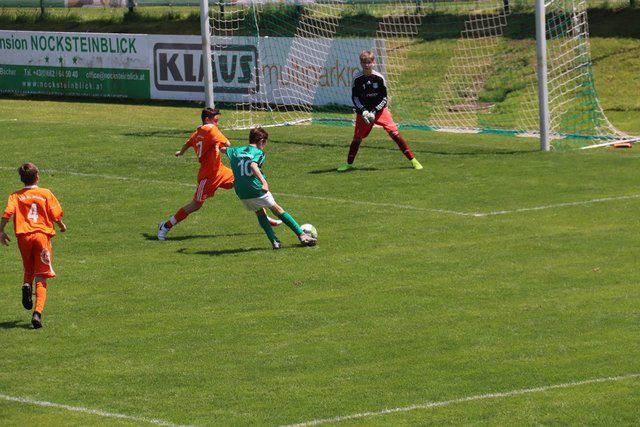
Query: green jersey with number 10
{"points": [[246, 185]]}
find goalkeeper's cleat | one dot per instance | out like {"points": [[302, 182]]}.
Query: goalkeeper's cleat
{"points": [[274, 222], [307, 240], [276, 244], [345, 167], [416, 164], [162, 231], [36, 320], [27, 301]]}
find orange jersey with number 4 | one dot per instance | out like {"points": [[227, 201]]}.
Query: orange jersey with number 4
{"points": [[34, 209]]}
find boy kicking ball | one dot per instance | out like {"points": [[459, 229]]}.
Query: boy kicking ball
{"points": [[252, 187]]}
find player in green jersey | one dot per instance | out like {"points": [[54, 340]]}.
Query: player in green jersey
{"points": [[252, 187]]}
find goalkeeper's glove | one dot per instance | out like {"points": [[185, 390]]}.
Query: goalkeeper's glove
{"points": [[368, 116]]}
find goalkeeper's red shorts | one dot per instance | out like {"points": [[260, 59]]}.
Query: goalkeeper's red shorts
{"points": [[383, 119]]}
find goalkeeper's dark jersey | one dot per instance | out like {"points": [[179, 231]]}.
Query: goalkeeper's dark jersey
{"points": [[369, 92]]}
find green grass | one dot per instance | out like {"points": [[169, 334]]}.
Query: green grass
{"points": [[441, 20], [145, 20], [496, 287], [497, 270]]}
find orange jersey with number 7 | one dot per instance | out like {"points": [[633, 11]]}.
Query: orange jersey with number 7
{"points": [[35, 210], [206, 141]]}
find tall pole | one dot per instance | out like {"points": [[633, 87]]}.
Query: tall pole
{"points": [[543, 89], [206, 53]]}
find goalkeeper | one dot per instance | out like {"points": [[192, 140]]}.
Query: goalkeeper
{"points": [[369, 96]]}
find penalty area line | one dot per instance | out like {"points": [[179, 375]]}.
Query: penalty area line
{"points": [[376, 204], [471, 214], [89, 411], [431, 405], [560, 205]]}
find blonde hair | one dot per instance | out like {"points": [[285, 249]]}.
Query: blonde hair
{"points": [[367, 55]]}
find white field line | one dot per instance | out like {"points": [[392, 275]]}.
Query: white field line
{"points": [[89, 411], [359, 202], [473, 214], [431, 405], [104, 176]]}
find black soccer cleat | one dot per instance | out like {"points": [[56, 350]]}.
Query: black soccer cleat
{"points": [[27, 301], [36, 320]]}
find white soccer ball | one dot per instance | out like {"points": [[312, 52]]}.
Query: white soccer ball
{"points": [[310, 230]]}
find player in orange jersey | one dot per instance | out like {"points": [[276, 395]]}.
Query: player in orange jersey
{"points": [[34, 211], [206, 141]]}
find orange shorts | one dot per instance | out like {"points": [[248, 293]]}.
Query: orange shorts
{"points": [[35, 249], [208, 186]]}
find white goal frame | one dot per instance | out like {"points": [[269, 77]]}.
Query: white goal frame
{"points": [[573, 28]]}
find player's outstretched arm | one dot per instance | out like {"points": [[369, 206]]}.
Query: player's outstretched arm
{"points": [[182, 150]]}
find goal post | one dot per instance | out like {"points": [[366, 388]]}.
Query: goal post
{"points": [[205, 33], [541, 63], [489, 66]]}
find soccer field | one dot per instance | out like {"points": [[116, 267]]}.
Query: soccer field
{"points": [[496, 287]]}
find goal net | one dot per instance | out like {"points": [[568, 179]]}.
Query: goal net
{"points": [[459, 66]]}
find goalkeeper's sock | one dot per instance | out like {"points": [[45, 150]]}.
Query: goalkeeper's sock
{"points": [[353, 150], [290, 222], [263, 220], [402, 145], [41, 296]]}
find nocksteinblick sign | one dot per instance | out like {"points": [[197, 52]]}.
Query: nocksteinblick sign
{"points": [[74, 64], [140, 66]]}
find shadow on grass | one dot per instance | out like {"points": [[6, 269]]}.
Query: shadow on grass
{"points": [[480, 152], [148, 236], [164, 133], [13, 324], [333, 170], [221, 252], [391, 146]]}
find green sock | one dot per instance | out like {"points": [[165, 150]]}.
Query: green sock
{"points": [[264, 223], [291, 223]]}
